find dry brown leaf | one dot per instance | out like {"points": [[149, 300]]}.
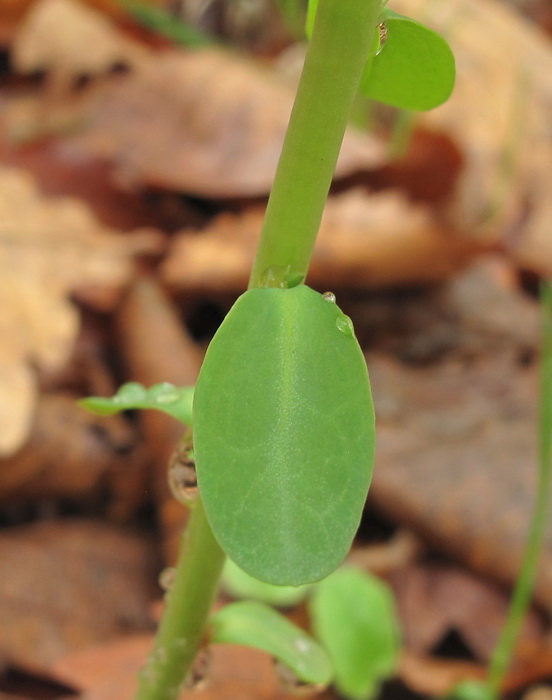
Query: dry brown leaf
{"points": [[436, 599], [71, 454], [109, 672], [67, 38], [259, 27], [49, 250], [437, 677], [364, 241], [500, 115], [60, 168], [455, 382], [207, 122], [14, 10], [156, 348], [70, 584]]}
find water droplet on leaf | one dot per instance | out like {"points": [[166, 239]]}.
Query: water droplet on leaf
{"points": [[329, 296], [291, 683], [302, 645], [345, 325], [167, 578], [129, 393], [281, 277], [182, 476], [382, 27], [164, 393]]}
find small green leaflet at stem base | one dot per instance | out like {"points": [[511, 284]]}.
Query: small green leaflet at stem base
{"points": [[256, 625], [176, 401], [284, 434], [353, 615]]}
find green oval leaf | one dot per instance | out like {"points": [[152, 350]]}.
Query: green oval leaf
{"points": [[414, 68], [176, 401], [241, 585], [284, 434], [256, 625], [353, 615]]}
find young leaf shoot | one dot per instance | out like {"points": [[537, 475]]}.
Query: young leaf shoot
{"points": [[176, 401], [256, 625], [353, 615]]}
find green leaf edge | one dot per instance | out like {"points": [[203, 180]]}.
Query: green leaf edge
{"points": [[256, 625], [239, 584], [165, 397]]}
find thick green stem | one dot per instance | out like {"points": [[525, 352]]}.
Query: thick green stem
{"points": [[187, 607], [340, 44], [524, 586]]}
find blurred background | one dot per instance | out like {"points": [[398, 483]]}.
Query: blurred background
{"points": [[138, 142]]}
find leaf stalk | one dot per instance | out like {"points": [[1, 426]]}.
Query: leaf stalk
{"points": [[341, 39]]}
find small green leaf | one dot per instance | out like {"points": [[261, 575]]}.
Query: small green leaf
{"points": [[470, 690], [353, 615], [284, 434], [256, 625], [176, 401], [414, 68], [241, 585]]}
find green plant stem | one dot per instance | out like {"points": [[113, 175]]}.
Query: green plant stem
{"points": [[333, 67], [187, 607], [401, 134], [523, 590], [335, 60]]}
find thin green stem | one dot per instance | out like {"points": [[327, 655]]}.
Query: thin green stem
{"points": [[187, 607], [335, 60], [401, 134], [523, 590]]}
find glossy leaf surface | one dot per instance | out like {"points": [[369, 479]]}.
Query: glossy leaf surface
{"points": [[176, 401], [353, 616], [414, 68], [284, 434], [256, 625]]}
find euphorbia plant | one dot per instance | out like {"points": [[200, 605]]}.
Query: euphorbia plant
{"points": [[283, 421]]}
